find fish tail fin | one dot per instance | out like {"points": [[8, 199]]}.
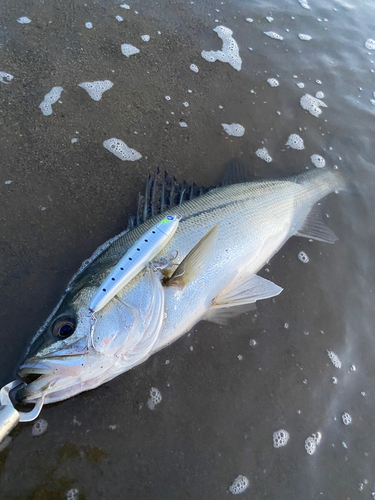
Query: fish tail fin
{"points": [[335, 180]]}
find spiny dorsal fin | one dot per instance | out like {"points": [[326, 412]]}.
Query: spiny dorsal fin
{"points": [[163, 192], [196, 260], [315, 228]]}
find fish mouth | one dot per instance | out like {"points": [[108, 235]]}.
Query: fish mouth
{"points": [[45, 375]]}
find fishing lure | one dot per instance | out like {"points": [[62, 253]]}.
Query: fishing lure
{"points": [[135, 259]]}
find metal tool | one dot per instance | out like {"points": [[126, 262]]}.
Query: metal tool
{"points": [[135, 259], [9, 416]]}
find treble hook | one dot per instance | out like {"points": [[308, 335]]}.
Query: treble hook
{"points": [[159, 266]]}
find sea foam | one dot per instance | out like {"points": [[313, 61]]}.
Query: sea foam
{"points": [[49, 99], [312, 104], [239, 485], [263, 155], [234, 129], [229, 52], [121, 150], [295, 142], [128, 50], [5, 76], [96, 89], [273, 35]]}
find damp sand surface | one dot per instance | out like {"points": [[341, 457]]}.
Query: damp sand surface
{"points": [[222, 397]]}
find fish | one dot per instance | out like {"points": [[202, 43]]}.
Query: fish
{"points": [[206, 271]]}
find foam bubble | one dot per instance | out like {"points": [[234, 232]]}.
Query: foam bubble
{"points": [[312, 104], [39, 427], [186, 104], [318, 161], [319, 95], [319, 82], [269, 19], [194, 68], [295, 142], [303, 257], [274, 35], [8, 182], [234, 129], [121, 150], [155, 398], [280, 438], [7, 77], [128, 50], [229, 52], [49, 99], [88, 26], [96, 89], [249, 20], [304, 4], [370, 44], [346, 418], [125, 6], [167, 97], [305, 37], [72, 494], [263, 155], [119, 18], [334, 380], [183, 124], [273, 82], [145, 38], [310, 445], [23, 20], [300, 85], [371, 100], [334, 358], [239, 485], [253, 342]]}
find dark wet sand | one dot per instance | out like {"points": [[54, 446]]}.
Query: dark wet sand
{"points": [[218, 413]]}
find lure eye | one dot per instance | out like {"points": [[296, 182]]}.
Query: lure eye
{"points": [[64, 328]]}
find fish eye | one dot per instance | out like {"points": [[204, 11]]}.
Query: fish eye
{"points": [[64, 328]]}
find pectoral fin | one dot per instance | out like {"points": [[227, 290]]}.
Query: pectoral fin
{"points": [[315, 228], [196, 260], [240, 296]]}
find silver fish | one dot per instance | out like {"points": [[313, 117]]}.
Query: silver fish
{"points": [[223, 239]]}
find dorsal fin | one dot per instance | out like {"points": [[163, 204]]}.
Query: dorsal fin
{"points": [[162, 191]]}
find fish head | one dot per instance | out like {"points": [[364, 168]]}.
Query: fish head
{"points": [[75, 351]]}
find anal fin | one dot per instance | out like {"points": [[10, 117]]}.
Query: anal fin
{"points": [[240, 296], [315, 228]]}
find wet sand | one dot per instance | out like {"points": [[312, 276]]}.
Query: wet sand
{"points": [[218, 412]]}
